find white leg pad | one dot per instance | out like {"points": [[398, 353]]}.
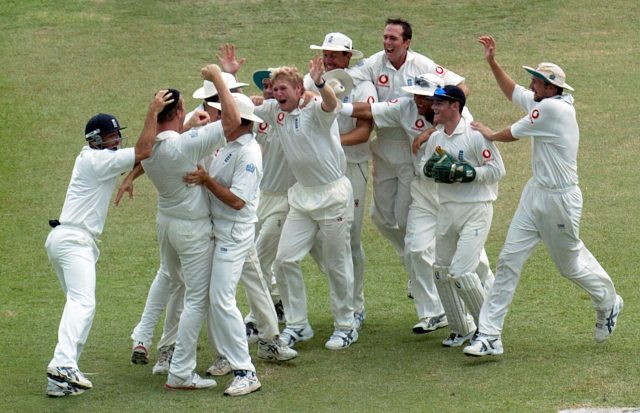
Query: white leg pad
{"points": [[451, 302], [471, 291]]}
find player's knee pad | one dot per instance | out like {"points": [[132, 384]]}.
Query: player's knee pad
{"points": [[471, 291], [453, 306]]}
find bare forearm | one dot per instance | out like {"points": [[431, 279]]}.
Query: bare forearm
{"points": [[224, 194], [357, 135], [507, 85]]}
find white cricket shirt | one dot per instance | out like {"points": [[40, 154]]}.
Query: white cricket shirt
{"points": [[553, 128], [91, 186]]}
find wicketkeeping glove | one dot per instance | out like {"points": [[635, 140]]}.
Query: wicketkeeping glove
{"points": [[437, 156], [450, 172]]}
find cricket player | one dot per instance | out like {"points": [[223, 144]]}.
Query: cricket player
{"points": [[337, 52], [72, 243], [184, 222], [393, 171], [320, 201], [550, 206], [466, 168], [415, 117]]}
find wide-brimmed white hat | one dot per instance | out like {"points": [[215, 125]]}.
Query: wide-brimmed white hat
{"points": [[340, 81], [549, 72], [245, 107], [208, 89], [338, 42], [425, 84]]}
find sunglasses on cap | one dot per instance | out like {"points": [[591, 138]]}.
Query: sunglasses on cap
{"points": [[423, 82], [442, 93]]}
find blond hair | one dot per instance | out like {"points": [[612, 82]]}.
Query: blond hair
{"points": [[288, 73]]}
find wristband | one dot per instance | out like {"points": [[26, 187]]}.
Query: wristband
{"points": [[347, 109], [320, 85]]}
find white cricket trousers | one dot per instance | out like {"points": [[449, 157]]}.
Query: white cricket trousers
{"points": [[552, 216], [393, 172], [73, 253], [165, 291], [272, 212], [420, 243], [186, 247], [326, 210], [358, 174], [233, 242]]}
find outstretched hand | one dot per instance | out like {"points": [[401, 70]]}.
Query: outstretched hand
{"points": [[227, 58], [125, 187], [489, 44], [316, 69]]}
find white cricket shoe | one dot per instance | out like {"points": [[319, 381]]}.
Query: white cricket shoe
{"points": [[220, 367], [607, 320], [252, 332], [165, 354], [69, 375], [484, 345], [244, 382], [275, 349], [196, 383], [293, 336], [57, 388], [359, 317], [429, 324], [456, 340], [140, 353], [341, 339]]}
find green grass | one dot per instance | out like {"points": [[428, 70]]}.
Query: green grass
{"points": [[65, 61]]}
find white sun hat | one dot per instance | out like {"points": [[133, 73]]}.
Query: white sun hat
{"points": [[340, 81], [425, 84], [338, 42], [550, 73], [208, 89], [245, 107]]}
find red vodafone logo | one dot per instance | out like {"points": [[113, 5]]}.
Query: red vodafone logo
{"points": [[486, 154], [371, 99], [535, 114], [383, 79], [419, 124], [262, 127], [440, 70], [280, 117]]}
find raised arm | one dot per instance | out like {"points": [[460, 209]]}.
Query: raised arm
{"points": [[230, 114], [507, 85], [144, 145], [329, 101]]}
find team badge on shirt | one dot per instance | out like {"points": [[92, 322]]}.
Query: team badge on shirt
{"points": [[418, 125], [534, 115], [280, 118], [251, 168], [383, 80], [262, 127]]}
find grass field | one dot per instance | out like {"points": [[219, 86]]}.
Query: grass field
{"points": [[62, 62]]}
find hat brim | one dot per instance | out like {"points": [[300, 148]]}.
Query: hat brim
{"points": [[539, 75], [418, 90], [249, 116], [201, 94], [355, 54], [344, 78], [259, 76]]}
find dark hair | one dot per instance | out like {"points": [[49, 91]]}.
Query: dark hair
{"points": [[169, 112], [245, 122], [407, 33]]}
